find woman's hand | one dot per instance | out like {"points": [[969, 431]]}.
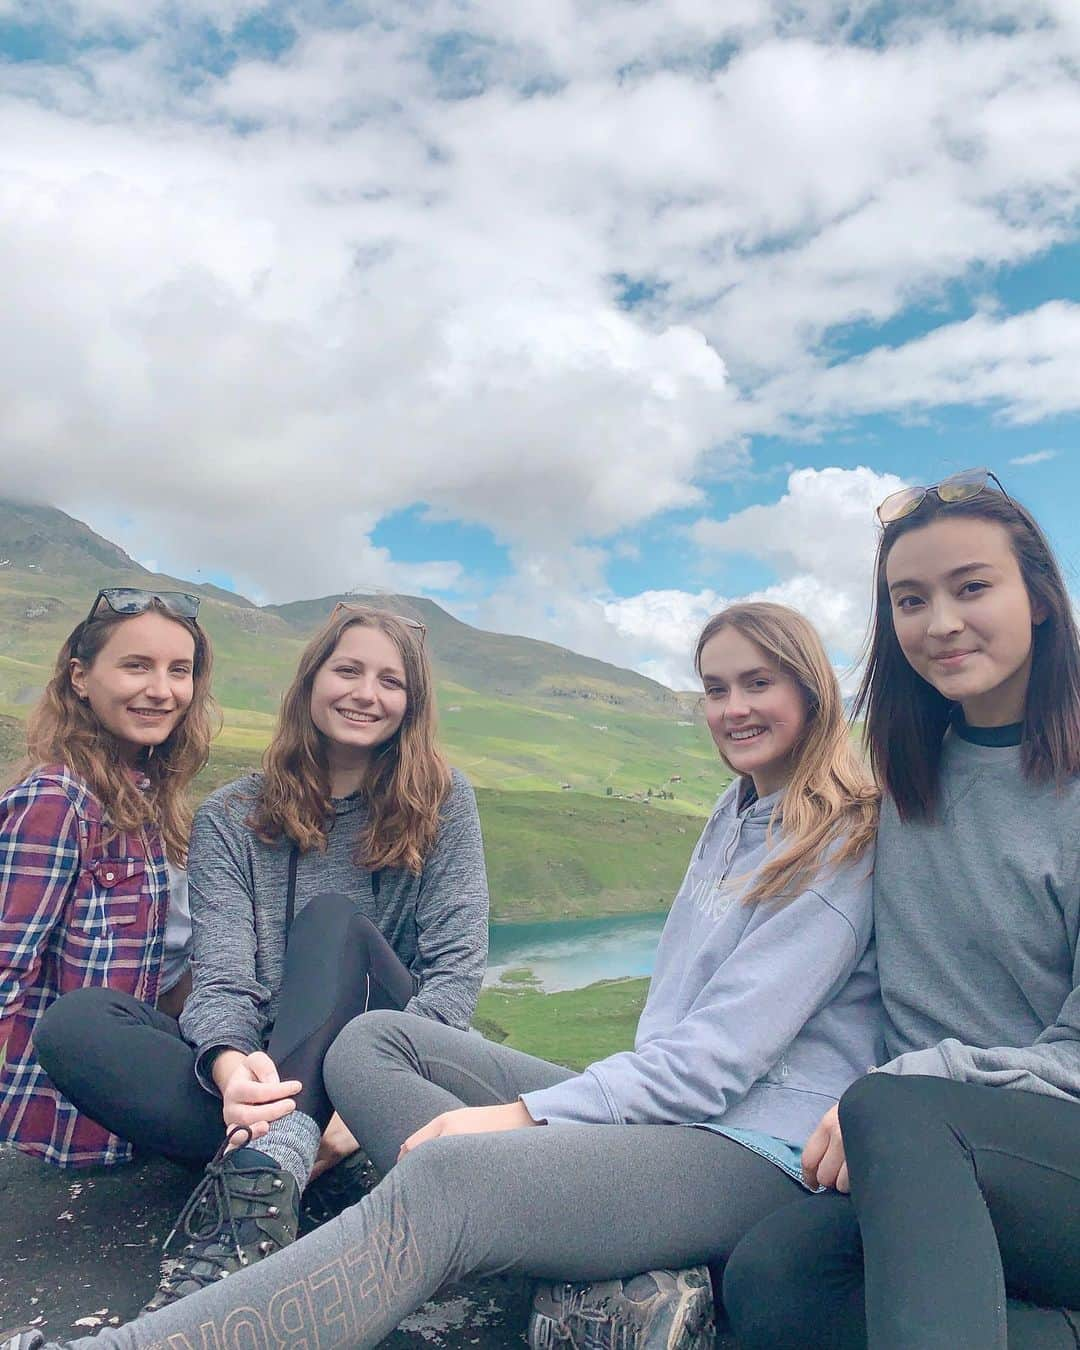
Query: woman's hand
{"points": [[823, 1161], [252, 1094], [336, 1143], [471, 1120]]}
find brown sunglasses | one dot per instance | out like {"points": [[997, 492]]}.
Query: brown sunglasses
{"points": [[961, 487], [414, 624]]}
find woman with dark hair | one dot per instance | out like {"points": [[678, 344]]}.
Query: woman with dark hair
{"points": [[962, 1152], [347, 876], [93, 845]]}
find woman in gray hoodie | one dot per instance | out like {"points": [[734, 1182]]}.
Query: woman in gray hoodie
{"points": [[763, 1007]]}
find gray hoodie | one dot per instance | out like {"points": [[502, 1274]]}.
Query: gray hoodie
{"points": [[758, 1016]]}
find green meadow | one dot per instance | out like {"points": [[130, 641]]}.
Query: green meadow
{"points": [[575, 1027]]}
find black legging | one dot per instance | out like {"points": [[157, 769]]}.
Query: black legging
{"points": [[125, 1064], [959, 1193]]}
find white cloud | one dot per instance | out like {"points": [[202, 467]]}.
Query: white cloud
{"points": [[820, 539], [1036, 457], [1023, 364], [259, 308]]}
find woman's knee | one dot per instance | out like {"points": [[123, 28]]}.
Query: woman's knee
{"points": [[872, 1106], [329, 913], [375, 1039], [75, 1021]]}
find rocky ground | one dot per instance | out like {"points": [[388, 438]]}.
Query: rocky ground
{"points": [[79, 1249]]}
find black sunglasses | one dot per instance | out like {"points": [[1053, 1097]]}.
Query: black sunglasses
{"points": [[961, 487], [127, 600]]}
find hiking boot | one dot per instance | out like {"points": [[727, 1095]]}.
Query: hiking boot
{"points": [[26, 1338], [661, 1310], [245, 1208], [344, 1184]]}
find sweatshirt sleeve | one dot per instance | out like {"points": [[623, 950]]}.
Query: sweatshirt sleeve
{"points": [[783, 971], [1050, 1066], [452, 915], [39, 860], [226, 1006]]}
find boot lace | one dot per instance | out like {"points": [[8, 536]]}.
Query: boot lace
{"points": [[208, 1218]]}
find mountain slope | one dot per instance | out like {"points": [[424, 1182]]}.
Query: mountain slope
{"points": [[46, 540], [516, 714], [500, 663]]}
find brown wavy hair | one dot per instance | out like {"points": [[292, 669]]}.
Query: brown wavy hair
{"points": [[407, 777], [906, 717], [830, 805], [63, 729]]}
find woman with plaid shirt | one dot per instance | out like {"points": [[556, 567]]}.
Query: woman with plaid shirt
{"points": [[93, 839]]}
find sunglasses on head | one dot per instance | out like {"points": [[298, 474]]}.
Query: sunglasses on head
{"points": [[127, 600], [414, 624], [961, 487]]}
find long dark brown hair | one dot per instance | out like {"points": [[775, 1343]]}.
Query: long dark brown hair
{"points": [[407, 776], [63, 729], [906, 717], [830, 804]]}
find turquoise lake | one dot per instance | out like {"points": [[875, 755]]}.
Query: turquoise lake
{"points": [[572, 953]]}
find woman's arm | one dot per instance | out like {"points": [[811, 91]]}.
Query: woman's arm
{"points": [[783, 971], [452, 915], [226, 1007], [39, 860], [1050, 1066]]}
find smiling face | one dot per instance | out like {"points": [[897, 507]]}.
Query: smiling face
{"points": [[756, 712], [359, 697], [140, 684], [962, 615]]}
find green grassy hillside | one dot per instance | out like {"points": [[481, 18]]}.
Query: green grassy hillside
{"points": [[550, 859], [575, 1027], [563, 749]]}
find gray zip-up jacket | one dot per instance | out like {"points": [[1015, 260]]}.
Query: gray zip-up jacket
{"points": [[436, 922], [757, 1016]]}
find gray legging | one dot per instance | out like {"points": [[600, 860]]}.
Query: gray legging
{"points": [[573, 1202]]}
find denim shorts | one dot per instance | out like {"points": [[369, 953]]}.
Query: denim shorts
{"points": [[786, 1156]]}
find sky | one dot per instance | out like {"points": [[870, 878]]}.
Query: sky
{"points": [[582, 318]]}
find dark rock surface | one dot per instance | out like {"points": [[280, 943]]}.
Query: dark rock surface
{"points": [[79, 1249]]}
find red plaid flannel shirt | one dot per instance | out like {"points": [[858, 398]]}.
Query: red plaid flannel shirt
{"points": [[77, 908]]}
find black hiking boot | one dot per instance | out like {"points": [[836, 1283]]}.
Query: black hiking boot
{"points": [[245, 1208], [344, 1184], [660, 1310]]}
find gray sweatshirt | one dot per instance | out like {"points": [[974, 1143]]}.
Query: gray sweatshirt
{"points": [[436, 922], [757, 1016], [977, 916]]}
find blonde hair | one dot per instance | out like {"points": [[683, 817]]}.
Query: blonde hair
{"points": [[64, 729], [407, 777], [830, 805]]}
